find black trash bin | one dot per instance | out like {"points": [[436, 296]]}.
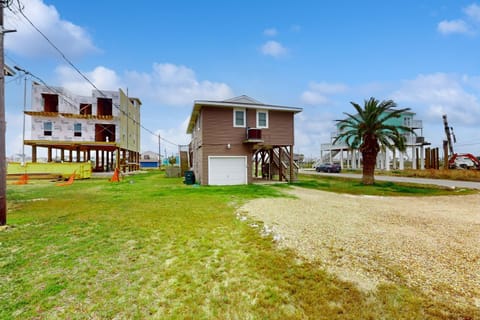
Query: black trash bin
{"points": [[189, 177]]}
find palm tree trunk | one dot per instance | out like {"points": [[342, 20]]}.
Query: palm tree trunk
{"points": [[369, 161], [369, 149]]}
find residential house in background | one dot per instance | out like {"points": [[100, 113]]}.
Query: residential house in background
{"points": [[340, 152], [149, 160], [104, 127], [237, 140]]}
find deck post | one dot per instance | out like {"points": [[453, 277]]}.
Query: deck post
{"points": [[291, 164], [280, 164]]}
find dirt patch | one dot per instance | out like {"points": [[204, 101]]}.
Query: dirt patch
{"points": [[431, 243]]}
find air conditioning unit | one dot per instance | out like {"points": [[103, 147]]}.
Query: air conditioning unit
{"points": [[254, 134]]}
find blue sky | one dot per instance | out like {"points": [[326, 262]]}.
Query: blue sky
{"points": [[318, 55]]}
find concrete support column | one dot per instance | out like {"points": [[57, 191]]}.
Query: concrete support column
{"points": [[341, 158], [414, 158], [422, 158], [387, 160], [401, 160]]}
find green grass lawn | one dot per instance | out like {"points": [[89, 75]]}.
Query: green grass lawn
{"points": [[153, 248]]}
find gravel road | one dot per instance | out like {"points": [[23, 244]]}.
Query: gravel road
{"points": [[431, 243]]}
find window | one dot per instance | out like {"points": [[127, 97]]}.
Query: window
{"points": [[77, 130], [262, 119], [104, 107], [239, 118], [85, 109], [50, 102], [47, 128]]}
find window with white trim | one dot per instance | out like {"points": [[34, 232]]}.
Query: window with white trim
{"points": [[239, 118], [262, 119]]}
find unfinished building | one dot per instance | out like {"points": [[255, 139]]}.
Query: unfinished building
{"points": [[103, 128]]}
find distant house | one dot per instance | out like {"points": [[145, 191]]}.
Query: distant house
{"points": [[104, 127], [148, 160], [237, 140], [351, 158]]}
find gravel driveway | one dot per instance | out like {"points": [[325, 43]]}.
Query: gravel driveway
{"points": [[432, 243]]}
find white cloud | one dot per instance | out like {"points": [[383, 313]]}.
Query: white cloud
{"points": [[176, 85], [439, 93], [271, 32], [453, 26], [72, 39], [169, 138], [311, 130], [466, 25], [14, 133], [317, 93], [473, 12], [102, 77], [167, 83], [274, 49]]}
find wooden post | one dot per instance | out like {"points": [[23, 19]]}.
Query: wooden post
{"points": [[114, 165], [117, 165], [3, 129], [428, 158], [103, 160], [280, 164], [256, 164], [291, 165], [34, 153]]}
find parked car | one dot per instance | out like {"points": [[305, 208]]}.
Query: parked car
{"points": [[329, 167]]}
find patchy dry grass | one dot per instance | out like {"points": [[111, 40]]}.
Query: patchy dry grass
{"points": [[380, 188], [151, 247]]}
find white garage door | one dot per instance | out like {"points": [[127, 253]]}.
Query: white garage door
{"points": [[227, 170]]}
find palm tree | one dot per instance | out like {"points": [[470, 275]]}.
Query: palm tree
{"points": [[368, 130]]}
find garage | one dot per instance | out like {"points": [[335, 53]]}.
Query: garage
{"points": [[223, 170]]}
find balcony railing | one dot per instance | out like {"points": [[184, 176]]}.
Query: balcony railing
{"points": [[414, 124]]}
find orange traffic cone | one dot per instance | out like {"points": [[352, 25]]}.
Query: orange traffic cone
{"points": [[116, 176], [22, 180]]}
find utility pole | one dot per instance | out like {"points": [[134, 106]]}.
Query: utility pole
{"points": [[25, 73], [3, 157], [3, 125]]}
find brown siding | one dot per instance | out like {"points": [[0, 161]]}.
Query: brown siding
{"points": [[280, 129], [218, 127], [217, 131]]}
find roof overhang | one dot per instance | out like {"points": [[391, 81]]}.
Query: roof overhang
{"points": [[199, 104]]}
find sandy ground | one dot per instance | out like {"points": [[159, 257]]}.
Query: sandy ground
{"points": [[431, 243]]}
